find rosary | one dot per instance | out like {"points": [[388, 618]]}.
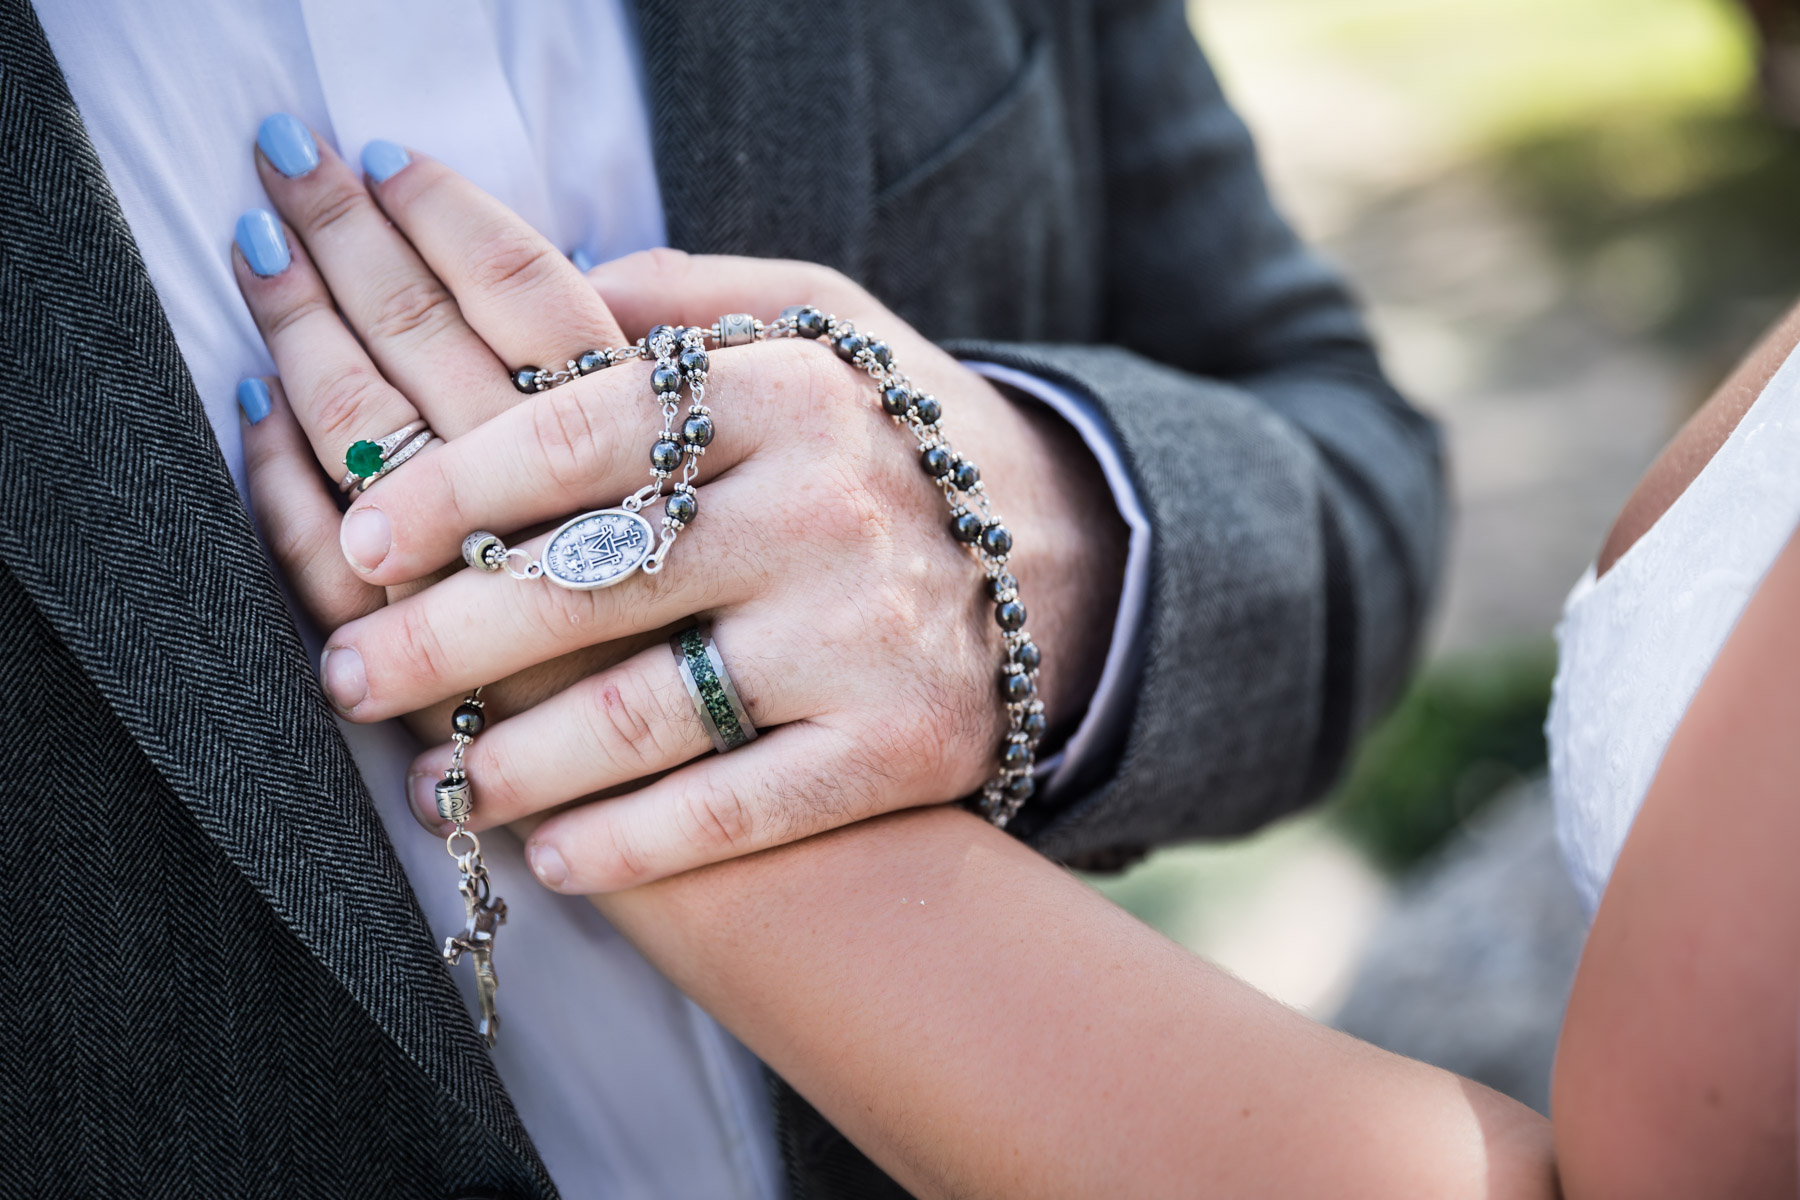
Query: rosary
{"points": [[485, 911], [605, 547]]}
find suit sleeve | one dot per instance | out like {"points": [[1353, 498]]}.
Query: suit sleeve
{"points": [[1296, 501]]}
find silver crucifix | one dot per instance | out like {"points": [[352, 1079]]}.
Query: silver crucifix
{"points": [[486, 913]]}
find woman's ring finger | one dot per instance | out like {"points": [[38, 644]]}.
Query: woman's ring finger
{"points": [[366, 461]]}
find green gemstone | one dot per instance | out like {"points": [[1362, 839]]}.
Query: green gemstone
{"points": [[363, 459]]}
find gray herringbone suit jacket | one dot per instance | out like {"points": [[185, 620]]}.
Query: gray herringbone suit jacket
{"points": [[219, 983]]}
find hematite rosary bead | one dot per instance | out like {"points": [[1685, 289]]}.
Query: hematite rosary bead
{"points": [[965, 527], [1034, 726], [849, 346], [1028, 656], [468, 719], [693, 362], [665, 455], [665, 380], [657, 333], [526, 379], [1016, 756], [682, 507], [1002, 587], [895, 401], [928, 410], [936, 461], [697, 430], [809, 322], [592, 361], [1010, 616], [883, 356], [966, 475], [996, 539], [1017, 686], [1021, 789]]}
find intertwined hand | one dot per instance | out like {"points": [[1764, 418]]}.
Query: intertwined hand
{"points": [[858, 632]]}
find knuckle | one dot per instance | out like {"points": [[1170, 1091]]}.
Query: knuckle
{"points": [[344, 395], [509, 259], [416, 306], [715, 820], [329, 207], [630, 723], [502, 788], [297, 545], [554, 617], [416, 642], [260, 453], [622, 861], [340, 600], [282, 320], [567, 439], [831, 284], [666, 262]]}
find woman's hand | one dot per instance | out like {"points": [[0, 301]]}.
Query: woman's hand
{"points": [[858, 633]]}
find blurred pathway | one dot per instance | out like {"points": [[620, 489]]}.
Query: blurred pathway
{"points": [[1552, 402]]}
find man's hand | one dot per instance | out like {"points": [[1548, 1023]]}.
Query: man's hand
{"points": [[858, 632]]}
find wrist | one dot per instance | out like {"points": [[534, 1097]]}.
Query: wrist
{"points": [[1069, 556]]}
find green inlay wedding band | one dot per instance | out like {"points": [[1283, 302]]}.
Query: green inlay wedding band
{"points": [[709, 686]]}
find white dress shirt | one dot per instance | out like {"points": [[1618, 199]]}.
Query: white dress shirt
{"points": [[627, 1088]]}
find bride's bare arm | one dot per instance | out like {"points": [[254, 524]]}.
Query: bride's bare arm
{"points": [[982, 1024], [1677, 1071]]}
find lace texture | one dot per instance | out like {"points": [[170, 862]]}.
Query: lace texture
{"points": [[1635, 644]]}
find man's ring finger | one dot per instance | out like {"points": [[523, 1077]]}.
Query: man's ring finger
{"points": [[709, 686]]}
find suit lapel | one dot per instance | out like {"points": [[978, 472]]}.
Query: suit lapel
{"points": [[119, 517], [759, 113]]}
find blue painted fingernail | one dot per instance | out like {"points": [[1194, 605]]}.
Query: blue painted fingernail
{"points": [[288, 143], [582, 259], [253, 398], [265, 247], [383, 160]]}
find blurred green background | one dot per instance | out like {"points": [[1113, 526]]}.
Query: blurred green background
{"points": [[1567, 221]]}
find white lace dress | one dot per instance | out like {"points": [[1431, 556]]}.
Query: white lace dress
{"points": [[1636, 643]]}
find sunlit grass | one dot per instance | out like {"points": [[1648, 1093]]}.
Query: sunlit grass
{"points": [[1494, 71]]}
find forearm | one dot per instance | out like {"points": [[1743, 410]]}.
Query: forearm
{"points": [[981, 1023]]}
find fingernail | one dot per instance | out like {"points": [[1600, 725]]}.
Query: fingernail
{"points": [[265, 247], [287, 143], [382, 160], [366, 537], [421, 790], [342, 672], [547, 865], [582, 259], [253, 398]]}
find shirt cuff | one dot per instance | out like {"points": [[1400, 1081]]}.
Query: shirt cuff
{"points": [[1111, 708]]}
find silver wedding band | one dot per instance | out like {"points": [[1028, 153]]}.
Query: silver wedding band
{"points": [[709, 686]]}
